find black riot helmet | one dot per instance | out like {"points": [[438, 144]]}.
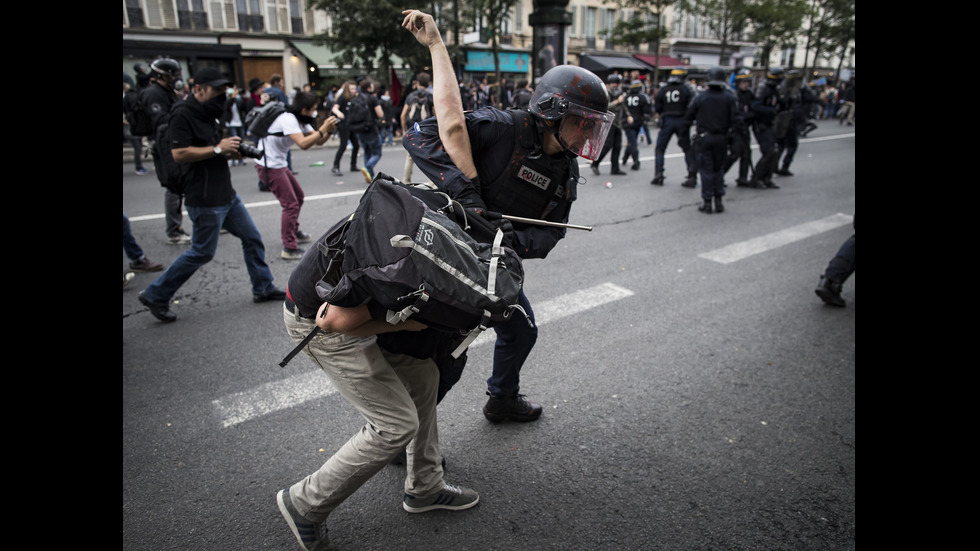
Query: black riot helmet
{"points": [[576, 101], [165, 66], [775, 75], [676, 76], [614, 79], [717, 77]]}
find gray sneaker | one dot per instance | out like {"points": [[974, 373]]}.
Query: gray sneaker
{"points": [[454, 498], [310, 535]]}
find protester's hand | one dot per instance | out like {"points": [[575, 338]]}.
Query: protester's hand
{"points": [[422, 26], [329, 126]]}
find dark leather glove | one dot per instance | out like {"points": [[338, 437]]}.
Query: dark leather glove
{"points": [[504, 225], [470, 197], [684, 138]]}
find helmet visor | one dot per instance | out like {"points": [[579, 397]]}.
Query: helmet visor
{"points": [[583, 131]]}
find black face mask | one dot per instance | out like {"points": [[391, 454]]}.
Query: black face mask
{"points": [[216, 105], [303, 119]]}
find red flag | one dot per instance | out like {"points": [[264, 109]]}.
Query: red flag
{"points": [[396, 88]]}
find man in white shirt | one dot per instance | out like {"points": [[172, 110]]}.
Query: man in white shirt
{"points": [[292, 127]]}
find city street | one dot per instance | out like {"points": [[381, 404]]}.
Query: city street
{"points": [[697, 394]]}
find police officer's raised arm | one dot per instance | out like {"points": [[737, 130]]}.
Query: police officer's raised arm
{"points": [[445, 92]]}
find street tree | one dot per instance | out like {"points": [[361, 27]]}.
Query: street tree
{"points": [[644, 26], [775, 23], [366, 34], [726, 19], [490, 15]]}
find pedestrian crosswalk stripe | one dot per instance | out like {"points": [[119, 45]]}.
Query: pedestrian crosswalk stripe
{"points": [[761, 244], [293, 391]]}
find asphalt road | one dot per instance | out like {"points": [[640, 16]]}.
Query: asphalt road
{"points": [[697, 394]]}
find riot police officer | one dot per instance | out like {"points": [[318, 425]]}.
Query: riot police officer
{"points": [[715, 113], [671, 103], [614, 141], [795, 97], [740, 144], [157, 99], [519, 163], [765, 107], [639, 110]]}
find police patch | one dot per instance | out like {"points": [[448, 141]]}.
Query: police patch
{"points": [[533, 177]]}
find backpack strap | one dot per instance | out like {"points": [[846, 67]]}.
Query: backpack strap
{"points": [[299, 347]]}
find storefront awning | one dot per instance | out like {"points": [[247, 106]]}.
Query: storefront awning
{"points": [[323, 57], [664, 62], [603, 63]]}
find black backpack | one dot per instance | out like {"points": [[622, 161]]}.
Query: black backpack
{"points": [[171, 174], [140, 122], [359, 115], [259, 119], [419, 109], [405, 247]]}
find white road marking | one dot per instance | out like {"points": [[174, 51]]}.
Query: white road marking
{"points": [[761, 244], [278, 395], [274, 202]]}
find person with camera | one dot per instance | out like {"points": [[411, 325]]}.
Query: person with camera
{"points": [[294, 126], [211, 201]]}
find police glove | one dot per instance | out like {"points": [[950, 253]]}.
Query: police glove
{"points": [[504, 225], [470, 197], [684, 139]]}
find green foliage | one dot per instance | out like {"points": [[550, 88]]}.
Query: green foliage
{"points": [[366, 33]]}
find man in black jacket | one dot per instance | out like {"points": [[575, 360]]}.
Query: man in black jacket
{"points": [[212, 203]]}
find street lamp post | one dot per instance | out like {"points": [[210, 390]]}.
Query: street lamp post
{"points": [[550, 41]]}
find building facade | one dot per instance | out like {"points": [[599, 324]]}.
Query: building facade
{"points": [[248, 39]]}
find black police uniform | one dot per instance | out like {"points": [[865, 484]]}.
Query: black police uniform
{"points": [[614, 140], [516, 178], [797, 104], [715, 113], [741, 141], [157, 100], [671, 103], [764, 107], [639, 108]]}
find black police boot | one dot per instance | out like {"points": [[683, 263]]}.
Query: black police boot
{"points": [[635, 165], [658, 179], [706, 207], [510, 408], [595, 168], [742, 182], [718, 206], [783, 171], [769, 185], [692, 181], [617, 171], [829, 291]]}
